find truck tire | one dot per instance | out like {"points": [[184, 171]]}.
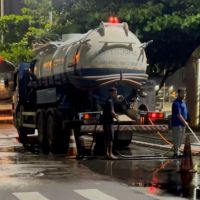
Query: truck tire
{"points": [[22, 131], [121, 142], [42, 132], [57, 138]]}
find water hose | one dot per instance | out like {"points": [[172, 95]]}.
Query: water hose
{"points": [[160, 135], [193, 134], [143, 157]]}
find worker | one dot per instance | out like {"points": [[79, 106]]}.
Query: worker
{"points": [[179, 120], [108, 123]]}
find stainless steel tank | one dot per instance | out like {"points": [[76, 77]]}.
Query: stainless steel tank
{"points": [[103, 56]]}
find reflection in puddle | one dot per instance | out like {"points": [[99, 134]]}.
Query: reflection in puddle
{"points": [[156, 177], [176, 183]]}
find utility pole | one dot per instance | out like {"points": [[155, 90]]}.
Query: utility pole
{"points": [[2, 14], [2, 8], [50, 13]]}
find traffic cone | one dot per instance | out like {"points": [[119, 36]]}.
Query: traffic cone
{"points": [[72, 150], [186, 162]]}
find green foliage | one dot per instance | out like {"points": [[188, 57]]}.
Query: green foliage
{"points": [[38, 10], [17, 52], [173, 25], [13, 27], [20, 31]]}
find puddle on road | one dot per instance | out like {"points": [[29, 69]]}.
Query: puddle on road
{"points": [[155, 177], [178, 184]]}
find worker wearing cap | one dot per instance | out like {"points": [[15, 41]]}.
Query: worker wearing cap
{"points": [[108, 121], [179, 120]]}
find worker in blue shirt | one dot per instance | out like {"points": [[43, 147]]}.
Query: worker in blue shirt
{"points": [[179, 120]]}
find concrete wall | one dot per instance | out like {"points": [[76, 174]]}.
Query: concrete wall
{"points": [[189, 77], [192, 80]]}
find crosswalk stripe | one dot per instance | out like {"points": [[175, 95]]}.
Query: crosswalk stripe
{"points": [[29, 196], [92, 194]]}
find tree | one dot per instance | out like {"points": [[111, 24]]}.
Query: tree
{"points": [[173, 25], [20, 31]]}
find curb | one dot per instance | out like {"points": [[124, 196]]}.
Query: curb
{"points": [[13, 148], [8, 137]]}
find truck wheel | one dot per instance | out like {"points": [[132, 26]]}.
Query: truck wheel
{"points": [[57, 139], [122, 143], [23, 131], [22, 135], [122, 140], [42, 133]]}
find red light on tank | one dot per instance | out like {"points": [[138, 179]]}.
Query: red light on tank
{"points": [[116, 20], [113, 20], [86, 116]]}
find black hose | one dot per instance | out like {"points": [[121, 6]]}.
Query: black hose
{"points": [[128, 158], [145, 157], [149, 157]]}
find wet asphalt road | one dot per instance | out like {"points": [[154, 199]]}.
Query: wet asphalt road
{"points": [[29, 175]]}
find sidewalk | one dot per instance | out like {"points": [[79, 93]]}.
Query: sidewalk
{"points": [[8, 141], [6, 114]]}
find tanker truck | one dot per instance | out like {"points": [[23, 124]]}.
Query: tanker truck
{"points": [[67, 84]]}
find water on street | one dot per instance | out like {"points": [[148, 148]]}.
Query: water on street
{"points": [[28, 173]]}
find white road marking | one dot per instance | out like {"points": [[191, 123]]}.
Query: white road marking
{"points": [[94, 194], [29, 196]]}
